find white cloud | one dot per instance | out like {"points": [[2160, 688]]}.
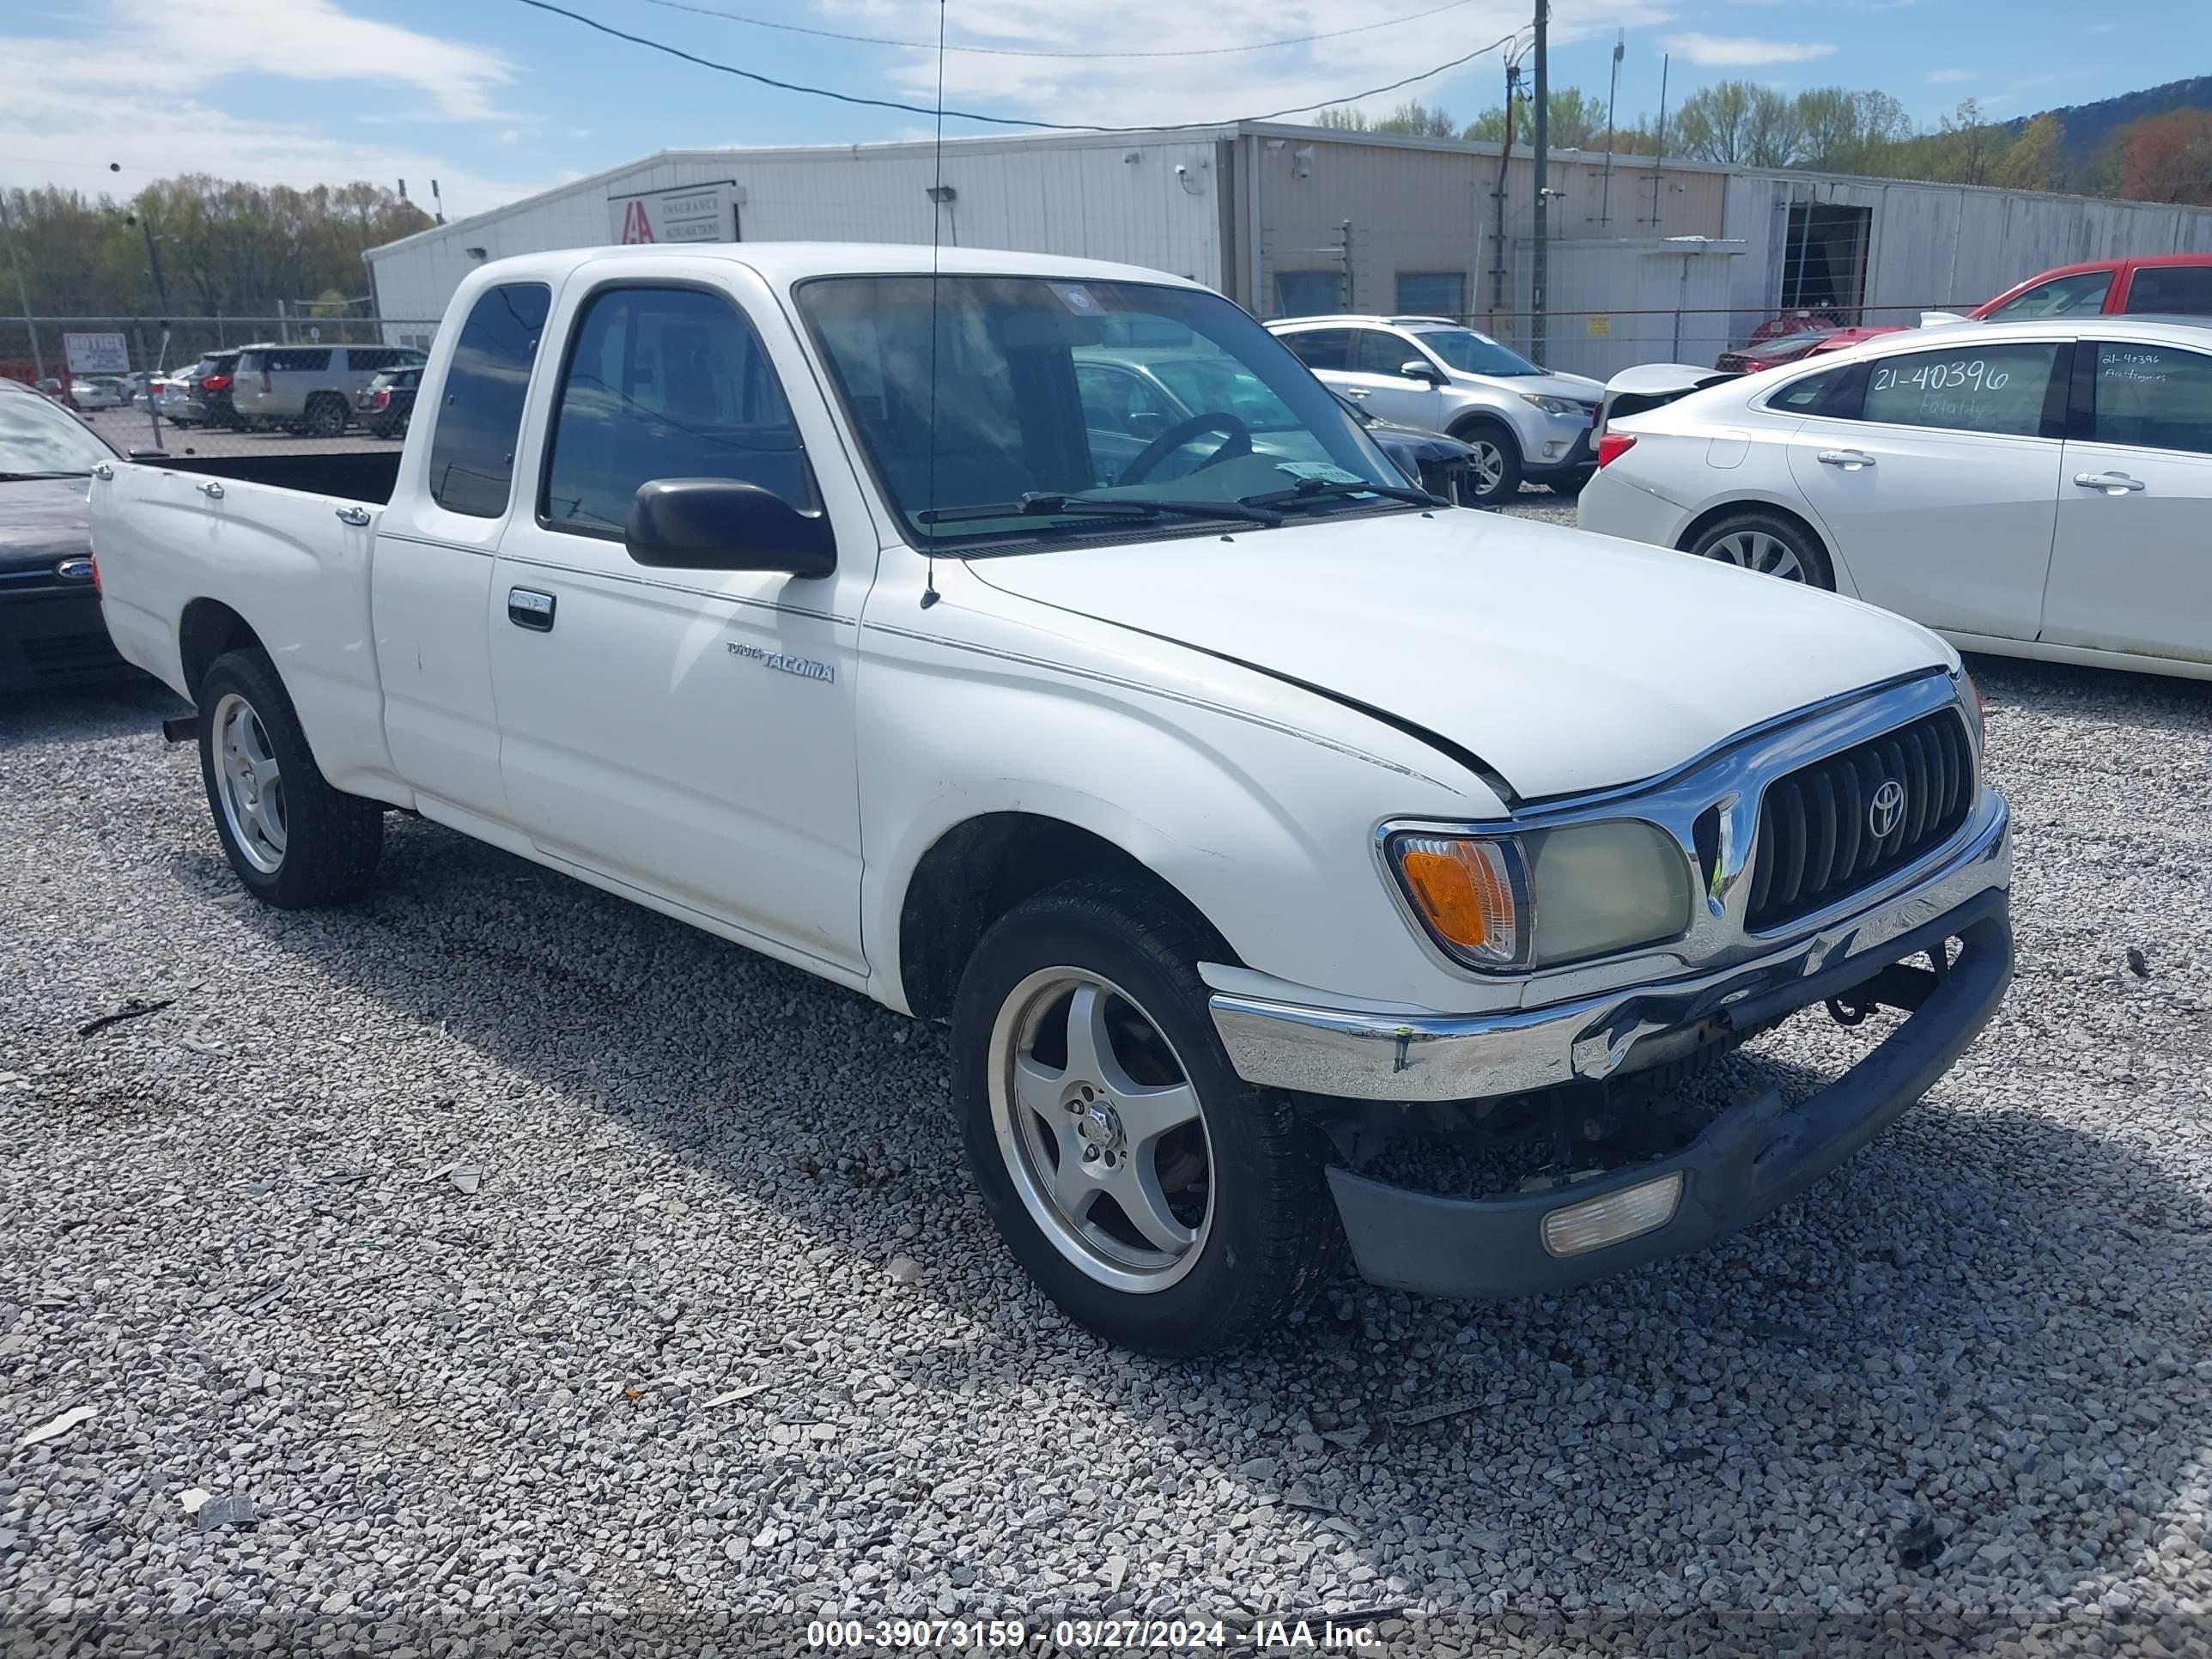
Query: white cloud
{"points": [[1943, 77], [305, 40], [1742, 51], [149, 88], [1138, 91]]}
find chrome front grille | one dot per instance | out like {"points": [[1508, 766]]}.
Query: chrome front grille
{"points": [[1841, 824]]}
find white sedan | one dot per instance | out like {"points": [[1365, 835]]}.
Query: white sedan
{"points": [[2034, 489]]}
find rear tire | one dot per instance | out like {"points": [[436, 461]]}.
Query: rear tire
{"points": [[1161, 1200], [294, 842], [1767, 543], [326, 416], [1497, 462]]}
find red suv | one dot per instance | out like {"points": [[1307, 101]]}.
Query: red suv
{"points": [[2158, 285]]}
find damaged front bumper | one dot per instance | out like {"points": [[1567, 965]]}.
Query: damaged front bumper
{"points": [[1753, 1157]]}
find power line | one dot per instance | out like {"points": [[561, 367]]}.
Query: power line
{"points": [[1037, 51], [993, 120]]}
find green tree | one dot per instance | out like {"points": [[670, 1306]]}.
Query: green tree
{"points": [[1417, 118], [1740, 123], [2036, 159]]}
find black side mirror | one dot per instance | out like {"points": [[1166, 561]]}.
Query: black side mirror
{"points": [[1418, 368], [723, 523]]}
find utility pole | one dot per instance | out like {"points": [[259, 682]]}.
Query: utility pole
{"points": [[1539, 267], [1659, 146], [1612, 97], [1504, 162], [22, 294]]}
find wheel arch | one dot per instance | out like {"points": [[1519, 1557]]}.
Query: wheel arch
{"points": [[207, 628], [982, 867], [1743, 506]]}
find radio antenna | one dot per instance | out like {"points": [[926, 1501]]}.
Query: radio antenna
{"points": [[936, 227]]}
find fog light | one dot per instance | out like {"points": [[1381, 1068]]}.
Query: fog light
{"points": [[1581, 1227], [1554, 446]]}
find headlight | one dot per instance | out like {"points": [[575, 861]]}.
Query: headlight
{"points": [[1555, 405], [1971, 704], [1501, 902]]}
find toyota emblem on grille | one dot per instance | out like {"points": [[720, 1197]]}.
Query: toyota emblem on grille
{"points": [[1887, 811]]}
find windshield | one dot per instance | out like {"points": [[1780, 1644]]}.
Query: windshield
{"points": [[1471, 353], [35, 437], [1125, 393]]}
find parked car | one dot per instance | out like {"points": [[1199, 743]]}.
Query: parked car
{"points": [[384, 405], [2035, 490], [308, 389], [1524, 422], [137, 386], [1221, 810], [1760, 355], [1440, 464], [2155, 285], [95, 392], [201, 395], [1132, 394], [50, 631]]}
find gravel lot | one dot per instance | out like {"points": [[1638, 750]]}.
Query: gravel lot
{"points": [[499, 1251]]}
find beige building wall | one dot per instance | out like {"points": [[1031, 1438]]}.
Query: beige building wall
{"points": [[1424, 207]]}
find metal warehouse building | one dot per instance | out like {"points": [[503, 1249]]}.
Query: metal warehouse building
{"points": [[1646, 262]]}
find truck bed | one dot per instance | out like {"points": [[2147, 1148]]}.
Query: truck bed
{"points": [[365, 476]]}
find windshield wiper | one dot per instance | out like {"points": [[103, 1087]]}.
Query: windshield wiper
{"points": [[1315, 491], [27, 477], [1043, 503]]}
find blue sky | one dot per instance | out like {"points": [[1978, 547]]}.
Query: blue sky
{"points": [[494, 99]]}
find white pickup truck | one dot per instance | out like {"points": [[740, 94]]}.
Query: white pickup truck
{"points": [[1262, 826]]}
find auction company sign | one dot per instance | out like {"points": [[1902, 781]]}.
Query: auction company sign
{"points": [[690, 213], [97, 354]]}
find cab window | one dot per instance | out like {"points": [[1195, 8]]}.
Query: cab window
{"points": [[2062, 296], [480, 417], [2171, 291], [665, 383], [1964, 388]]}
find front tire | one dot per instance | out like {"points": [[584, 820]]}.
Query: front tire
{"points": [[1496, 464], [294, 842], [1768, 544], [1160, 1200]]}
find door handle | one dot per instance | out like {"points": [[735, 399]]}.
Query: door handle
{"points": [[210, 487], [1849, 460], [355, 516], [2112, 483], [528, 608]]}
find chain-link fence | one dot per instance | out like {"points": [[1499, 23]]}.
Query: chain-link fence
{"points": [[227, 386], [1601, 343]]}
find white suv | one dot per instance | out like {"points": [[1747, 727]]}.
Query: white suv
{"points": [[1525, 423]]}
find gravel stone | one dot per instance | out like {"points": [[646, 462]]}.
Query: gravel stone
{"points": [[449, 1414]]}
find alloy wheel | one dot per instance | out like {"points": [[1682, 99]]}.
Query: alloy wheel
{"points": [[1756, 550], [252, 786], [1101, 1129]]}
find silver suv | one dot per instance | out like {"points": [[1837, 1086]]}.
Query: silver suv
{"points": [[1433, 372], [309, 389]]}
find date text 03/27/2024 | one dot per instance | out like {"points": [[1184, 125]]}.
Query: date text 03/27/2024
{"points": [[1094, 1635]]}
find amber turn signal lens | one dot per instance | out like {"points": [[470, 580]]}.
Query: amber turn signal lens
{"points": [[1464, 891]]}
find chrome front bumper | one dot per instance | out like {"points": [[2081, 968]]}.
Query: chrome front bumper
{"points": [[1352, 1056]]}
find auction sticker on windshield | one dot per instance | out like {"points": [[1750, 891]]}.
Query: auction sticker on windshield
{"points": [[1077, 298], [1327, 471]]}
